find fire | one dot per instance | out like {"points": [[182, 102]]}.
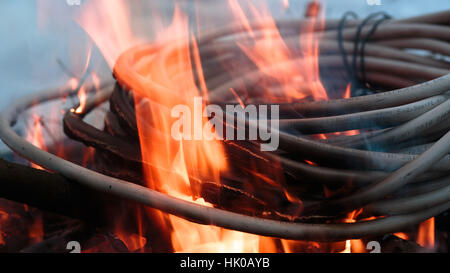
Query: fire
{"points": [[313, 9], [95, 81], [173, 171], [82, 96], [237, 97], [425, 236], [347, 95], [169, 165], [107, 23], [348, 247], [189, 237], [402, 235], [35, 136], [73, 83], [353, 246], [270, 53], [45, 132], [3, 218], [176, 167], [36, 230]]}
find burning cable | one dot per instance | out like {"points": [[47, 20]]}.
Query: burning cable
{"points": [[284, 194]]}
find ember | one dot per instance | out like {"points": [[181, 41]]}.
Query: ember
{"points": [[356, 122]]}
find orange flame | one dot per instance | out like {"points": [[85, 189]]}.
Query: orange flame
{"points": [[173, 171], [347, 95], [35, 136], [82, 96], [36, 230], [108, 24], [3, 217], [169, 165], [272, 56], [402, 235], [353, 246], [176, 167], [425, 236]]}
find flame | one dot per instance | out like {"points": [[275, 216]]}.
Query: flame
{"points": [[402, 235], [108, 24], [174, 167], [347, 92], [88, 155], [36, 230], [3, 217], [285, 4], [45, 131], [356, 245], [425, 235], [313, 9], [189, 237], [169, 166], [35, 136], [206, 158], [237, 97], [348, 246], [96, 81], [310, 163], [269, 52]]}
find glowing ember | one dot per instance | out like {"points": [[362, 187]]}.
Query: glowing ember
{"points": [[3, 218], [313, 9], [237, 97], [171, 166], [82, 96], [353, 246], [36, 230], [402, 235], [347, 94], [82, 92], [73, 83]]}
